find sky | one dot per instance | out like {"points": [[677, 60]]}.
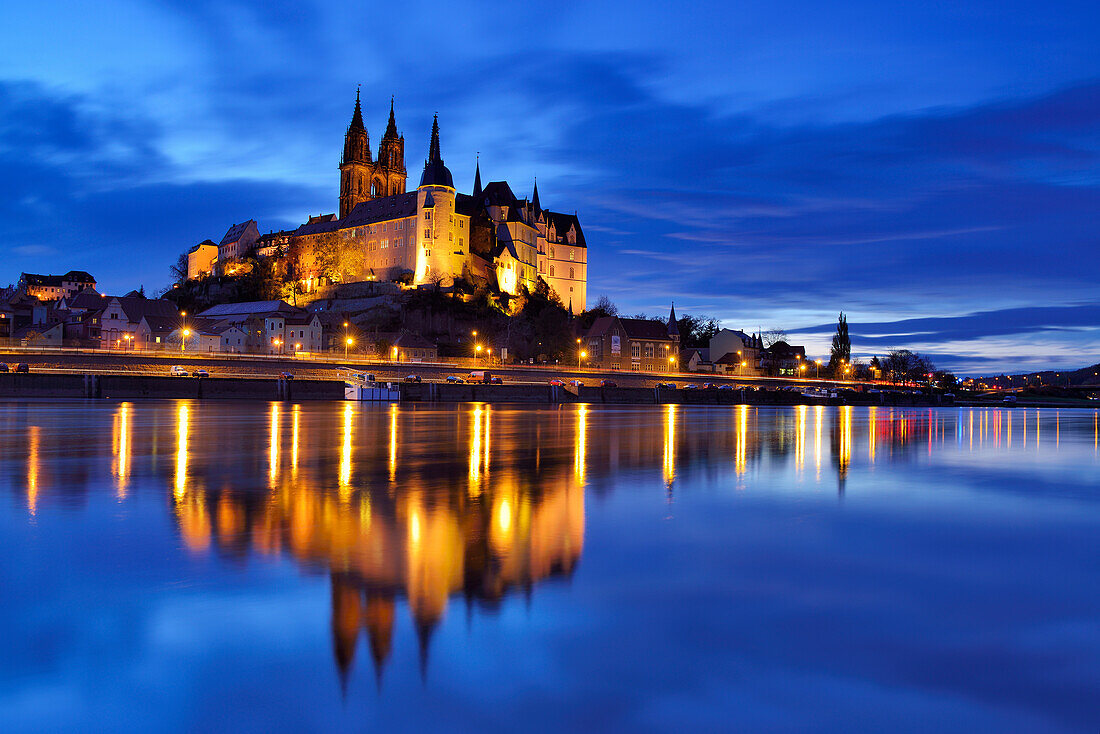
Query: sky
{"points": [[931, 169]]}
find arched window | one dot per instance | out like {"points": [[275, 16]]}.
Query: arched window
{"points": [[379, 188]]}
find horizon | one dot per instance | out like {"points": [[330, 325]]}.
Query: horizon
{"points": [[930, 172]]}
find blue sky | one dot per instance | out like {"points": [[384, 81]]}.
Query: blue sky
{"points": [[933, 169]]}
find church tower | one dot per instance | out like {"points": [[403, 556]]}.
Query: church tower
{"points": [[436, 257], [391, 159], [355, 164]]}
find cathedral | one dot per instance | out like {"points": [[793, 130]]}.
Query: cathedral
{"points": [[435, 234]]}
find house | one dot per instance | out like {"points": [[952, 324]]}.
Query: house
{"points": [[409, 347], [236, 243], [271, 327], [202, 259], [122, 317], [781, 359], [638, 345], [730, 347], [696, 359], [53, 287]]}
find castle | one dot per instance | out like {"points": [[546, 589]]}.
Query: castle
{"points": [[434, 235]]}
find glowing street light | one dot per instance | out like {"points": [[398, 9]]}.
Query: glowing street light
{"points": [[741, 368], [395, 354], [347, 343], [817, 368], [183, 341], [580, 356]]}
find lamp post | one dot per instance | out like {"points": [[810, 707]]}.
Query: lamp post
{"points": [[671, 364], [741, 369], [817, 368], [395, 354], [347, 343], [183, 341], [279, 345], [129, 340], [581, 355]]}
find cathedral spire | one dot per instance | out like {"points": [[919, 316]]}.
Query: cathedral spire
{"points": [[477, 176], [433, 149], [357, 116], [435, 173], [535, 197], [673, 329], [391, 126]]}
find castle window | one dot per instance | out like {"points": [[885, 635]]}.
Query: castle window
{"points": [[635, 351], [460, 242], [649, 351], [571, 274], [572, 254], [452, 219], [451, 236], [551, 271], [427, 216], [427, 234], [551, 252]]}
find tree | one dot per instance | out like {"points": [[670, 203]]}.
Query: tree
{"points": [[696, 331], [605, 307], [842, 346], [772, 336], [903, 365], [179, 270]]}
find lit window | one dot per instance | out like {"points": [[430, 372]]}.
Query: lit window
{"points": [[572, 254]]}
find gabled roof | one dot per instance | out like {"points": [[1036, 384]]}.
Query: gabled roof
{"points": [[161, 324], [783, 349], [134, 307], [78, 276], [204, 243], [703, 352], [236, 232], [562, 222], [498, 193], [86, 299], [633, 328], [248, 308], [409, 340], [381, 209], [730, 358]]}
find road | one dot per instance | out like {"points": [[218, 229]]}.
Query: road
{"points": [[87, 361]]}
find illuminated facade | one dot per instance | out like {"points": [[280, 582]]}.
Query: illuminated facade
{"points": [[436, 234]]}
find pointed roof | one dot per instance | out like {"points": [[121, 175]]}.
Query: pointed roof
{"points": [[357, 116], [435, 173], [672, 327], [535, 197], [391, 126], [477, 177]]}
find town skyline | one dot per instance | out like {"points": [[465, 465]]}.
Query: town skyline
{"points": [[939, 209]]}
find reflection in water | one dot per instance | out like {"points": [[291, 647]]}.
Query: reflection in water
{"points": [[120, 443], [417, 522], [182, 416]]}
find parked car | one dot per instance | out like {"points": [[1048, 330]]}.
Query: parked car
{"points": [[557, 382], [286, 375], [607, 383], [496, 381], [200, 373], [1010, 400], [726, 387], [412, 378], [3, 366], [178, 371], [455, 379], [666, 385], [691, 386], [22, 367], [576, 383]]}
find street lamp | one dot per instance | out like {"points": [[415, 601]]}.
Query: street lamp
{"points": [[671, 363], [395, 354], [278, 345], [741, 369], [183, 341], [129, 340], [581, 355], [347, 343], [817, 368]]}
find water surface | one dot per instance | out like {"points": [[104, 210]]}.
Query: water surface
{"points": [[184, 566]]}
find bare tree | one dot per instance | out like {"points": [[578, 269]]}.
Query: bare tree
{"points": [[773, 335], [179, 270]]}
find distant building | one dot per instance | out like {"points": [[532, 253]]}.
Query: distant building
{"points": [[263, 327], [202, 259], [410, 347], [781, 359], [696, 359], [729, 348], [53, 287], [637, 345], [236, 243], [123, 315]]}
